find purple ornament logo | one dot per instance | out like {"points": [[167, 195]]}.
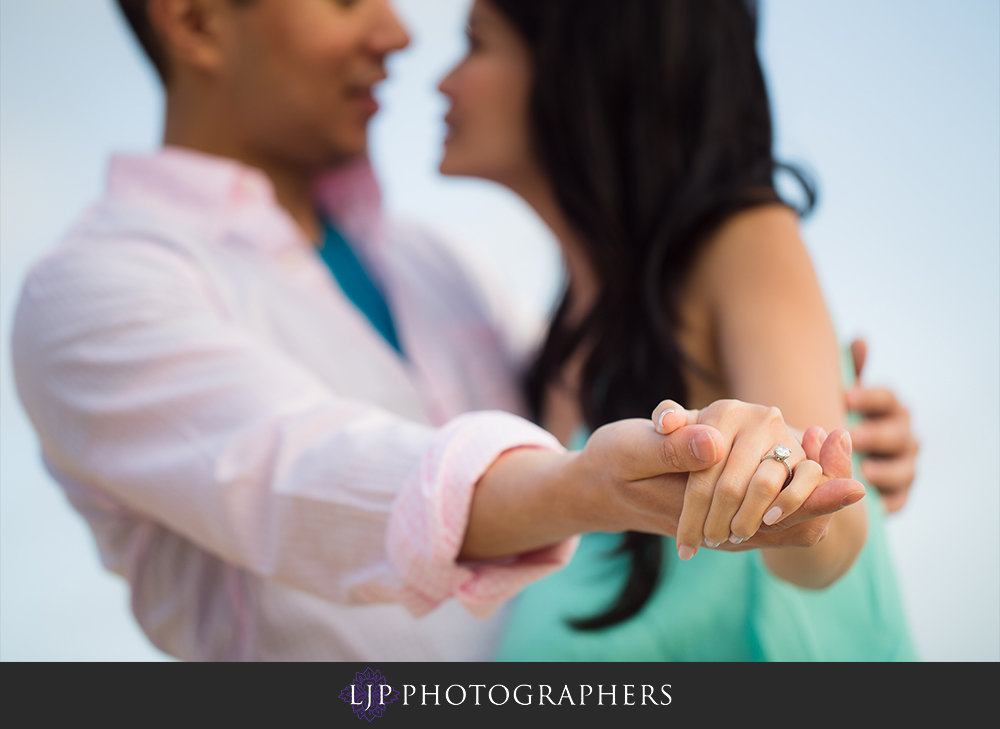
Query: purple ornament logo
{"points": [[369, 694]]}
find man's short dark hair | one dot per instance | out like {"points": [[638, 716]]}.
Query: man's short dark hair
{"points": [[136, 12], [137, 15]]}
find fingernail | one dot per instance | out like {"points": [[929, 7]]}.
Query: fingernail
{"points": [[703, 448], [845, 444], [736, 540], [852, 498], [685, 552], [712, 545], [823, 434], [772, 515], [664, 414]]}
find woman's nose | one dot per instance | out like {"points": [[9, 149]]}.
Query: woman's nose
{"points": [[447, 84]]}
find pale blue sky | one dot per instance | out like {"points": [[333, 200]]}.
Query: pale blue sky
{"points": [[893, 104]]}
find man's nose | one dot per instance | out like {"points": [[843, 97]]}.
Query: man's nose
{"points": [[390, 34]]}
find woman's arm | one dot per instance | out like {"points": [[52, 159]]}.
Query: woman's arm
{"points": [[776, 345]]}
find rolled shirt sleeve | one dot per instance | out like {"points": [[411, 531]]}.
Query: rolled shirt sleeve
{"points": [[141, 389]]}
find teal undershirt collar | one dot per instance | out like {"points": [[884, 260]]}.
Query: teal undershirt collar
{"points": [[357, 285]]}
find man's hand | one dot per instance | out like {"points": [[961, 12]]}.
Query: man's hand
{"points": [[884, 436], [532, 498], [631, 474]]}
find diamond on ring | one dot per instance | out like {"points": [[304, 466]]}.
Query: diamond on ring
{"points": [[781, 454]]}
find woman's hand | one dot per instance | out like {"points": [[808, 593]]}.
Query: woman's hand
{"points": [[732, 500], [808, 526], [885, 436]]}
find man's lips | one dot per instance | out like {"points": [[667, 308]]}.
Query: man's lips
{"points": [[365, 97], [365, 85], [363, 93]]}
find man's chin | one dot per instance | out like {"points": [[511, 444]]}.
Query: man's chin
{"points": [[346, 153]]}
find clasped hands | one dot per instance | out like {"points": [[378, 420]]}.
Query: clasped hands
{"points": [[692, 474], [699, 475]]}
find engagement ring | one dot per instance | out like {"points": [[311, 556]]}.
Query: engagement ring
{"points": [[781, 455]]}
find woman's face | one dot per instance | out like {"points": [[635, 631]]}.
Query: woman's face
{"points": [[488, 124]]}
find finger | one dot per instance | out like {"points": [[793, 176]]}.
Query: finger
{"points": [[764, 488], [889, 474], [645, 453], [884, 437], [873, 401], [732, 484], [859, 353], [895, 501], [805, 534], [827, 498], [835, 455], [698, 495], [743, 464], [669, 416], [808, 475], [697, 501], [729, 494], [812, 442]]}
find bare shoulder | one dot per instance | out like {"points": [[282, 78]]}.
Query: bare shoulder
{"points": [[772, 218], [752, 248], [750, 234]]}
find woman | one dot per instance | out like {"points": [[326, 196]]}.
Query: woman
{"points": [[641, 133]]}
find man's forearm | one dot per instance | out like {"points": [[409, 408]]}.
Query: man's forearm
{"points": [[525, 501]]}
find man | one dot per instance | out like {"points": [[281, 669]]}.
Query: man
{"points": [[293, 455]]}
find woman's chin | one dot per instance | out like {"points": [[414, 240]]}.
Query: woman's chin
{"points": [[455, 164], [451, 167], [445, 169]]}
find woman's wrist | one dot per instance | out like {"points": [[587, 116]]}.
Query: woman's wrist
{"points": [[822, 564]]}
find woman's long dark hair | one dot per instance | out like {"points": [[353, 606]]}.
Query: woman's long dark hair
{"points": [[652, 120]]}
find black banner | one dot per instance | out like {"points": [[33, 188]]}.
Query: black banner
{"points": [[510, 695]]}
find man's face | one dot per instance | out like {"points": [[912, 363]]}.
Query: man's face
{"points": [[298, 75]]}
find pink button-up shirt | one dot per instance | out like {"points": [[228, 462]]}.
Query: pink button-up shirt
{"points": [[271, 478]]}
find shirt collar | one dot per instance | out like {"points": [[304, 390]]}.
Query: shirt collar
{"points": [[351, 198], [227, 201]]}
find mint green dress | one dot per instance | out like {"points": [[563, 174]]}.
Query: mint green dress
{"points": [[716, 607]]}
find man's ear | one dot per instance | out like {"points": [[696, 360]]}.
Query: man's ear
{"points": [[190, 32]]}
